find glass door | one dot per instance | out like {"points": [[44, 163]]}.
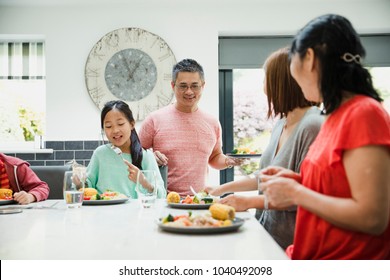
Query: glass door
{"points": [[251, 127]]}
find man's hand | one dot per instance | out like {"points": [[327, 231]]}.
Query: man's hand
{"points": [[160, 158]]}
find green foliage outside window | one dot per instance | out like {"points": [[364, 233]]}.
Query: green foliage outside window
{"points": [[31, 123]]}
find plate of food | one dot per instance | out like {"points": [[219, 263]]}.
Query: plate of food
{"points": [[189, 206], [244, 155], [200, 201], [6, 197], [244, 152], [92, 197], [220, 219]]}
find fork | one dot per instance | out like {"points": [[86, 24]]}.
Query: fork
{"points": [[117, 151], [193, 191]]}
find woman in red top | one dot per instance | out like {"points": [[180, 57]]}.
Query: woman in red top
{"points": [[343, 191]]}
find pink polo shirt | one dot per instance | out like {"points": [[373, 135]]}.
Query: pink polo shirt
{"points": [[189, 140]]}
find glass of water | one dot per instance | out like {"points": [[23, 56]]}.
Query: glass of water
{"points": [[74, 184], [146, 187]]}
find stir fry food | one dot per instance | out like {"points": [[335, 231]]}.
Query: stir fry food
{"points": [[201, 198], [219, 215], [92, 194], [244, 151]]}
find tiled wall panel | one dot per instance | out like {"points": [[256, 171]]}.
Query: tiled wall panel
{"points": [[63, 152]]}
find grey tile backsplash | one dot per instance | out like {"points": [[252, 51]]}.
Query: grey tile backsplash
{"points": [[63, 152]]}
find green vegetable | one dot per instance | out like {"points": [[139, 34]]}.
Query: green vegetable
{"points": [[98, 197], [208, 200], [234, 151], [196, 199], [170, 218]]}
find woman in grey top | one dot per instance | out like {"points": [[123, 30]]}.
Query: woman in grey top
{"points": [[290, 140]]}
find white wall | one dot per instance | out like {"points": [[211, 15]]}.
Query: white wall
{"points": [[191, 29]]}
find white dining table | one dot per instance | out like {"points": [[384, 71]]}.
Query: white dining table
{"points": [[47, 230]]}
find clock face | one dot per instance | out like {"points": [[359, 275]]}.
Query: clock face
{"points": [[132, 65]]}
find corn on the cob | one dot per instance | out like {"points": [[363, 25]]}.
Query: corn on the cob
{"points": [[173, 197], [222, 212]]}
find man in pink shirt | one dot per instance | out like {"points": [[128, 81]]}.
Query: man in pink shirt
{"points": [[183, 136]]}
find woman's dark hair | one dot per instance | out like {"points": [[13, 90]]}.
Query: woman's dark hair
{"points": [[331, 37], [135, 143], [283, 92]]}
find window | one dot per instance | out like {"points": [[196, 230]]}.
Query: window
{"points": [[241, 89], [251, 126], [22, 91]]}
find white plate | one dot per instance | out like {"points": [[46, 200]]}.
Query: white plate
{"points": [[237, 223], [244, 155], [10, 211], [105, 202], [189, 206]]}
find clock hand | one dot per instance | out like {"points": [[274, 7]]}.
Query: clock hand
{"points": [[127, 66], [135, 68]]}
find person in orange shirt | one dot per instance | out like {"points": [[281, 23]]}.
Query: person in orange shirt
{"points": [[343, 189]]}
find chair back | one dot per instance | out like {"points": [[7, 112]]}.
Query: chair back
{"points": [[164, 174], [54, 177]]}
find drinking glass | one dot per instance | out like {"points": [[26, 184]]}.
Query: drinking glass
{"points": [[74, 184], [146, 187], [259, 187]]}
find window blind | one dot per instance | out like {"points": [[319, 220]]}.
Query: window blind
{"points": [[22, 60]]}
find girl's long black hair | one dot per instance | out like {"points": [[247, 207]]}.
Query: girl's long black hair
{"points": [[135, 143]]}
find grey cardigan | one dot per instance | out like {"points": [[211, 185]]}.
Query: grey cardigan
{"points": [[281, 224]]}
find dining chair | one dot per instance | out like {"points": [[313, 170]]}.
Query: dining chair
{"points": [[164, 174], [54, 177]]}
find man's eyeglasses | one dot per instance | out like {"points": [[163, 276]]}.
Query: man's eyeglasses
{"points": [[184, 88]]}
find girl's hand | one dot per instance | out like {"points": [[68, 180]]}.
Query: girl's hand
{"points": [[24, 198], [133, 171]]}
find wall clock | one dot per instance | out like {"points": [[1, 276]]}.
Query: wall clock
{"points": [[133, 65]]}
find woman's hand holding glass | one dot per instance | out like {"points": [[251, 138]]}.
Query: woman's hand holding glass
{"points": [[279, 186]]}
